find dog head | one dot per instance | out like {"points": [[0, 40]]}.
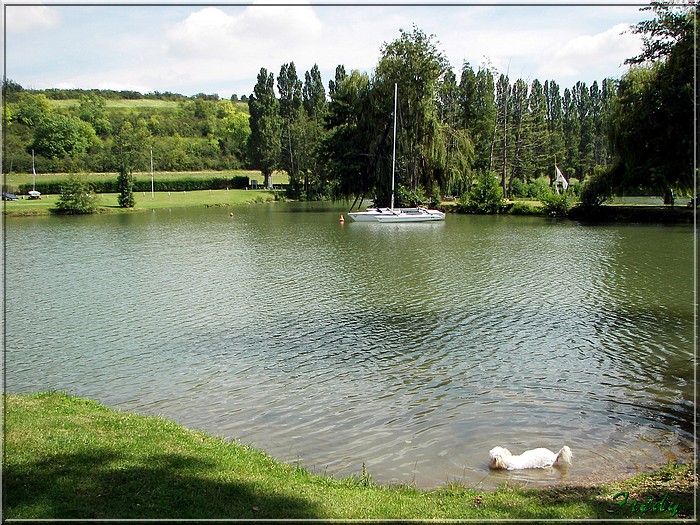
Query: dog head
{"points": [[497, 454]]}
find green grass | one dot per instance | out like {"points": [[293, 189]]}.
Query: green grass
{"points": [[175, 199], [121, 103], [72, 458], [142, 103]]}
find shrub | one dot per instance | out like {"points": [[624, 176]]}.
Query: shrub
{"points": [[485, 196], [538, 188], [523, 208], [406, 198], [77, 197], [556, 205], [518, 188]]}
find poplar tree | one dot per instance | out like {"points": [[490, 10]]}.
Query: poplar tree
{"points": [[555, 124], [264, 141], [316, 107], [131, 144], [541, 161]]}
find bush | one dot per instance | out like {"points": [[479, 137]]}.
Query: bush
{"points": [[538, 188], [77, 197], [523, 208], [597, 188], [486, 196], [406, 198], [518, 189], [556, 205]]}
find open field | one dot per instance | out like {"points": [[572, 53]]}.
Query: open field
{"points": [[69, 457], [179, 199], [141, 103], [121, 103]]}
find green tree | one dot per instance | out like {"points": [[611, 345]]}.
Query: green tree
{"points": [[59, 136], [541, 161], [581, 99], [651, 126], [264, 144], [293, 126], [520, 147], [131, 149], [232, 129], [555, 123], [30, 109], [77, 197], [340, 75], [415, 63], [502, 130], [459, 147], [314, 133], [485, 196], [93, 110], [572, 136], [352, 146]]}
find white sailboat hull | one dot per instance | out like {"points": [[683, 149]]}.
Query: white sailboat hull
{"points": [[397, 215], [392, 214]]}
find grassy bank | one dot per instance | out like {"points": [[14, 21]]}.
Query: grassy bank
{"points": [[68, 457], [181, 199]]}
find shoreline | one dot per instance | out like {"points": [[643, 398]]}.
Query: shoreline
{"points": [[71, 457], [161, 200], [604, 214]]}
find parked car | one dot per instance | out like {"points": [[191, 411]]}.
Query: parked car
{"points": [[33, 194], [9, 196]]}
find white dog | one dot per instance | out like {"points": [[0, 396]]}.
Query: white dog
{"points": [[501, 458]]}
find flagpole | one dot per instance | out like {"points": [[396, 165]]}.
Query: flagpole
{"points": [[393, 155], [151, 173], [33, 173]]}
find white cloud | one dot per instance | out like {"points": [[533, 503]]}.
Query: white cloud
{"points": [[588, 52], [26, 17], [221, 49], [212, 34]]}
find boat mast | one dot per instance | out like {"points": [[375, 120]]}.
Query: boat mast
{"points": [[393, 156]]}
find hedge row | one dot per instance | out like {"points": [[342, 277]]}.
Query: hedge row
{"points": [[183, 184]]}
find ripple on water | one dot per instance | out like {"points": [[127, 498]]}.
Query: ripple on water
{"points": [[411, 350]]}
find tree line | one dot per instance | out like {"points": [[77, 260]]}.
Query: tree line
{"points": [[449, 129], [184, 134], [456, 130]]}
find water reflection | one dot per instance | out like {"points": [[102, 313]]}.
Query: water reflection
{"points": [[411, 348]]}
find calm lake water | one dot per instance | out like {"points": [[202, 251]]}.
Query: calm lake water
{"points": [[411, 348]]}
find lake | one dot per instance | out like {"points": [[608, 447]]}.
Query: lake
{"points": [[410, 348]]}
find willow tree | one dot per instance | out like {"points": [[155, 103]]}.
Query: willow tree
{"points": [[415, 63], [651, 124], [354, 140]]}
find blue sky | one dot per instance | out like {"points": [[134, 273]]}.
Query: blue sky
{"points": [[219, 49]]}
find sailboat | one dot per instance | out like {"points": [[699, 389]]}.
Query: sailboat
{"points": [[391, 214]]}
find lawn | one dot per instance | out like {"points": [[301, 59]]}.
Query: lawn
{"points": [[73, 458], [144, 201]]}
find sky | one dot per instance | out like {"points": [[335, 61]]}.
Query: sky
{"points": [[219, 48]]}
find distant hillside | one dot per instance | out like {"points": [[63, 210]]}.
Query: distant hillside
{"points": [[82, 130]]}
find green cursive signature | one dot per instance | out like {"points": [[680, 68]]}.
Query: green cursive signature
{"points": [[622, 499]]}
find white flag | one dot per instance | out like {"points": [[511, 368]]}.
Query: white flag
{"points": [[561, 178]]}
